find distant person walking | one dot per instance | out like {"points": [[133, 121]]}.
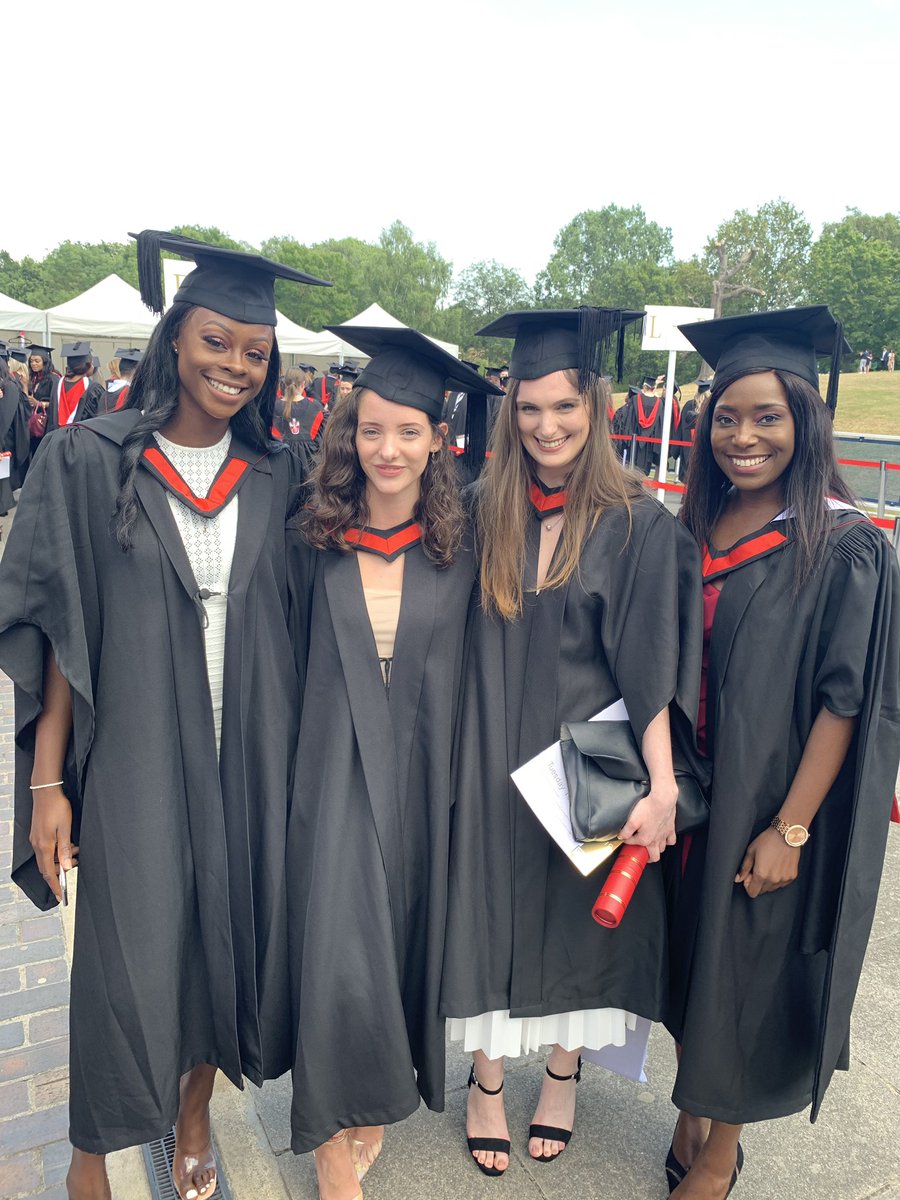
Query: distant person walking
{"points": [[890, 360]]}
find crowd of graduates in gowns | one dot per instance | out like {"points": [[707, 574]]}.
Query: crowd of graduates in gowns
{"points": [[338, 966]]}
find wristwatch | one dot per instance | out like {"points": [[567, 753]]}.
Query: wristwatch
{"points": [[795, 835]]}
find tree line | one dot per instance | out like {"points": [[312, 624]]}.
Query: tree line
{"points": [[609, 256]]}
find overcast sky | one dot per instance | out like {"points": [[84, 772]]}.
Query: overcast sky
{"points": [[485, 127]]}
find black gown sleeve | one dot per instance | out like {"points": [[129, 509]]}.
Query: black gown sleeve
{"points": [[41, 600], [654, 627]]}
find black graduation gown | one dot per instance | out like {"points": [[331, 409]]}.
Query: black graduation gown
{"points": [[90, 404], [646, 454], [15, 439], [764, 987], [180, 943], [368, 843], [689, 418], [520, 934], [303, 427]]}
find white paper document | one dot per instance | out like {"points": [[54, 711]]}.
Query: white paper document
{"points": [[542, 782]]}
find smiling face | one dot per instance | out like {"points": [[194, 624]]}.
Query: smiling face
{"points": [[36, 362], [393, 442], [553, 424], [752, 433], [222, 365]]}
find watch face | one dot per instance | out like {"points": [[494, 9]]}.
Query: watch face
{"points": [[796, 836]]}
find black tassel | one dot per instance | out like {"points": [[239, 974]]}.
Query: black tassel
{"points": [[476, 434], [837, 350], [620, 354], [596, 327], [150, 276]]}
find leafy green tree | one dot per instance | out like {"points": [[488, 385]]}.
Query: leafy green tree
{"points": [[610, 256], [857, 274], [759, 259], [409, 278]]}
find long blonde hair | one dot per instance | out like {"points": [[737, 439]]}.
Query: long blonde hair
{"points": [[503, 509]]}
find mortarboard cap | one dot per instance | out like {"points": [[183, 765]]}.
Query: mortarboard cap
{"points": [[476, 367], [130, 354], [76, 350], [563, 339], [787, 339], [44, 351], [649, 381], [633, 390], [306, 366], [18, 352], [4, 349], [703, 385], [409, 368], [334, 369], [230, 282], [348, 372]]}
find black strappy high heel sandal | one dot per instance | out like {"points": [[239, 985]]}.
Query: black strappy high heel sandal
{"points": [[497, 1145], [549, 1133]]}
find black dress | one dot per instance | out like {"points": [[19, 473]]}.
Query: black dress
{"points": [[764, 987], [367, 842], [520, 933], [180, 944]]}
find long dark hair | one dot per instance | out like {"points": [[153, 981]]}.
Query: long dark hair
{"points": [[810, 476], [336, 495], [44, 373], [154, 391]]}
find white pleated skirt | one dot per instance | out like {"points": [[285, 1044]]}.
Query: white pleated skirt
{"points": [[498, 1035]]}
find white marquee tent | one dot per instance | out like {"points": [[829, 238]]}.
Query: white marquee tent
{"points": [[20, 317], [327, 345], [111, 308]]}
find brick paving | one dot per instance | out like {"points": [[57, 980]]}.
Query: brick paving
{"points": [[34, 1034]]}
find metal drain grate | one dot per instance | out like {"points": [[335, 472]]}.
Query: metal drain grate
{"points": [[158, 1161]]}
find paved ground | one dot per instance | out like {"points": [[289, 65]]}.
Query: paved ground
{"points": [[622, 1130]]}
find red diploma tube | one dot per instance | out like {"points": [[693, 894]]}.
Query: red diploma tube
{"points": [[609, 907]]}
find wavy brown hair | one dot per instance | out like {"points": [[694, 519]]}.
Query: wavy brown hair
{"points": [[336, 491], [596, 482]]}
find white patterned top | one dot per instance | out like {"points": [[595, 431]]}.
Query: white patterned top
{"points": [[209, 545]]}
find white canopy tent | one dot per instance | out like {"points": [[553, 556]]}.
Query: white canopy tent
{"points": [[376, 315], [111, 308], [19, 317], [326, 345]]}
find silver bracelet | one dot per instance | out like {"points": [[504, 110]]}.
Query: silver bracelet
{"points": [[36, 787]]}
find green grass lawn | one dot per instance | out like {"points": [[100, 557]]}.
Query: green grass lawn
{"points": [[866, 403]]}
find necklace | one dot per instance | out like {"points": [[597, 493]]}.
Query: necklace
{"points": [[551, 525]]}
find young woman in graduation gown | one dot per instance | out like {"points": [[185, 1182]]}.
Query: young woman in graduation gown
{"points": [[589, 592], [143, 619], [380, 575], [801, 598]]}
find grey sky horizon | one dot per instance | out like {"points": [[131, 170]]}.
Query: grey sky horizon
{"points": [[483, 127]]}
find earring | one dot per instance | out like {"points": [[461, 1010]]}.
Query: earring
{"points": [[435, 453], [175, 347]]}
